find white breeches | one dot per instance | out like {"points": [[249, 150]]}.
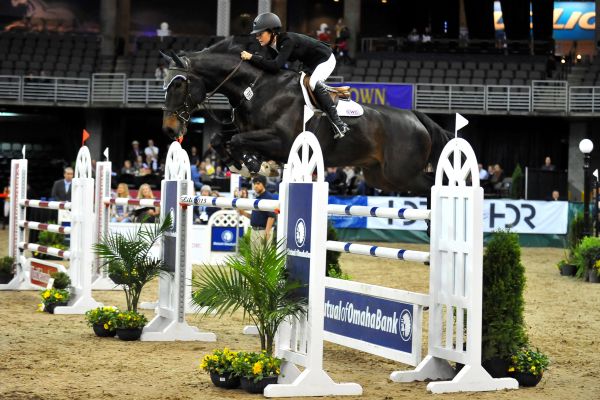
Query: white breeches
{"points": [[322, 72]]}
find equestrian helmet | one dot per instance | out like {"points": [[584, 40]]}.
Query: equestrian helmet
{"points": [[266, 21]]}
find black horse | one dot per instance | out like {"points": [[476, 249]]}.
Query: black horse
{"points": [[392, 146]]}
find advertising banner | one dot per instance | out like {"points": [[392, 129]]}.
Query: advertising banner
{"points": [[388, 94]]}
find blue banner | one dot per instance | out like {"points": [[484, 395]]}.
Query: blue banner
{"points": [[388, 94], [342, 221], [572, 20], [298, 233], [223, 238], [370, 319]]}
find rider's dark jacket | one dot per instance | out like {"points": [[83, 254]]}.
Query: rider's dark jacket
{"points": [[293, 47]]}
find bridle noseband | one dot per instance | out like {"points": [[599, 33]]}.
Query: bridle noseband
{"points": [[184, 112]]}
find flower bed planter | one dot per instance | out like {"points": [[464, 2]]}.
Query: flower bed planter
{"points": [[51, 306], [257, 387], [225, 381], [5, 278], [129, 334], [527, 379], [99, 330], [568, 270]]}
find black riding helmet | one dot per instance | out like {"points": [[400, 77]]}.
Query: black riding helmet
{"points": [[266, 21]]}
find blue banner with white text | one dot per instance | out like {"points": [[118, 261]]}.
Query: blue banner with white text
{"points": [[388, 94]]}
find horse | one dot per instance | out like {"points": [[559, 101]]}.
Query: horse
{"points": [[393, 147]]}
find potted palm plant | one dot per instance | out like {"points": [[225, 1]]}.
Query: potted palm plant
{"points": [[254, 281], [130, 264]]}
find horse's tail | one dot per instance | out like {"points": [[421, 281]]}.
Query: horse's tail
{"points": [[439, 137]]}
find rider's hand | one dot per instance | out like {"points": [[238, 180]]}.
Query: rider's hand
{"points": [[245, 55]]}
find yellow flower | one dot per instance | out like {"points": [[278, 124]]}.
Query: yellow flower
{"points": [[58, 296], [257, 368], [105, 326], [511, 369], [46, 294], [40, 307], [532, 369]]}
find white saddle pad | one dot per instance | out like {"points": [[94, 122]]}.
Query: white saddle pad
{"points": [[345, 108]]}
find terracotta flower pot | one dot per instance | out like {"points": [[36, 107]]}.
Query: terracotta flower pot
{"points": [[225, 381]]}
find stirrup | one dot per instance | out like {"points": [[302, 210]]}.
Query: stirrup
{"points": [[340, 133]]}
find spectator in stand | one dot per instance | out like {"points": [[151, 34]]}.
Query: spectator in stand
{"points": [[413, 36], [548, 166], [152, 164], [342, 35], [121, 213], [151, 149], [203, 213], [483, 173], [140, 166], [61, 190], [127, 168], [194, 157], [135, 151], [497, 177], [324, 34], [219, 173], [555, 196], [196, 176], [337, 181], [161, 71], [144, 213]]}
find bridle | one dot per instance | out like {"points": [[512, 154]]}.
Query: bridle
{"points": [[184, 112]]}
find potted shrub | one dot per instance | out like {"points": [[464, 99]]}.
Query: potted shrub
{"points": [[503, 330], [128, 260], [255, 281], [219, 364], [61, 280], [52, 298], [129, 324], [527, 366], [6, 269], [256, 370], [587, 254], [102, 319]]}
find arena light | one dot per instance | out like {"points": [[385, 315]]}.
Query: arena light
{"points": [[8, 114], [197, 120]]}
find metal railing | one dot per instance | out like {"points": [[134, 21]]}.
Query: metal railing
{"points": [[115, 89]]}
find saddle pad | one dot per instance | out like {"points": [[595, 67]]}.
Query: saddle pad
{"points": [[345, 108]]}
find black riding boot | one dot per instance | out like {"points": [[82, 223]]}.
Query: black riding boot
{"points": [[327, 106]]}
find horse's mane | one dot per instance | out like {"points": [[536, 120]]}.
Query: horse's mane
{"points": [[225, 46]]}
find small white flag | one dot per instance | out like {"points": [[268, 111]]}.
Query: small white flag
{"points": [[106, 153], [461, 122], [23, 151]]}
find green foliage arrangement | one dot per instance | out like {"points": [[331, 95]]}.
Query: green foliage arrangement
{"points": [[256, 281], [528, 360], [54, 295], [102, 316], [516, 189], [503, 328], [52, 239], [7, 265], [61, 280], [332, 258], [128, 319], [575, 232], [219, 362], [128, 260], [256, 366], [586, 255]]}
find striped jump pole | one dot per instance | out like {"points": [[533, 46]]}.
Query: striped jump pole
{"points": [[240, 204], [52, 205], [39, 226], [122, 201], [380, 212], [378, 251], [52, 251]]}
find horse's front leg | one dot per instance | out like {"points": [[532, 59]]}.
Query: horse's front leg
{"points": [[218, 142], [264, 142]]}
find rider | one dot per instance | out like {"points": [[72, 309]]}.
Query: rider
{"points": [[290, 46]]}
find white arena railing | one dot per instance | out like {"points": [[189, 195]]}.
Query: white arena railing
{"points": [[103, 89]]}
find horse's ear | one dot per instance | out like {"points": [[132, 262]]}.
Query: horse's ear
{"points": [[178, 61], [166, 57]]}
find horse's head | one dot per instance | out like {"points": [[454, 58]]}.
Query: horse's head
{"points": [[184, 93]]}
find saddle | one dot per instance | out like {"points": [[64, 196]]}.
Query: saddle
{"points": [[336, 93]]}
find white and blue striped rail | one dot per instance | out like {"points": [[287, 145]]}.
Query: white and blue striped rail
{"points": [[378, 251], [381, 212], [224, 202]]}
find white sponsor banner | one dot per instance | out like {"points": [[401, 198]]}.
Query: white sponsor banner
{"points": [[521, 216]]}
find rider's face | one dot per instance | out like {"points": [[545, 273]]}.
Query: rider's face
{"points": [[263, 38]]}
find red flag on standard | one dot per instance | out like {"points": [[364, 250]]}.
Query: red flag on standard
{"points": [[85, 136]]}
